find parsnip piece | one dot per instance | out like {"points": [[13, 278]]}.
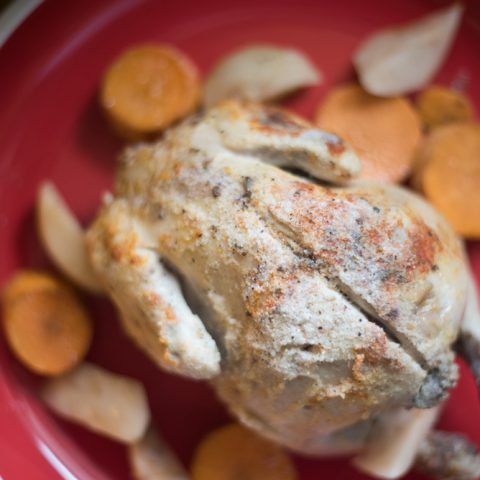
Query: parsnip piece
{"points": [[394, 442], [471, 316], [107, 403], [259, 72], [469, 340], [63, 238], [151, 459], [402, 59]]}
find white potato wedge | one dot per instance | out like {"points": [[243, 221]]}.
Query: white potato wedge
{"points": [[403, 59], [471, 316], [259, 72], [107, 403], [151, 459], [63, 238], [394, 443], [469, 341]]}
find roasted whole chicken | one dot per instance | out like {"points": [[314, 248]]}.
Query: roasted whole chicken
{"points": [[237, 250]]}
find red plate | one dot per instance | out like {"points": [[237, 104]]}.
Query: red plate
{"points": [[51, 127]]}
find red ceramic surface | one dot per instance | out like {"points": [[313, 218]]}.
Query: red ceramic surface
{"points": [[51, 127]]}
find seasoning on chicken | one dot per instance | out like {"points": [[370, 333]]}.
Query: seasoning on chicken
{"points": [[312, 308]]}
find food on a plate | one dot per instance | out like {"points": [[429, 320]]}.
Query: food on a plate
{"points": [[394, 440], [45, 324], [232, 452], [447, 172], [438, 105], [107, 403], [448, 456], [385, 132], [326, 305], [151, 459], [147, 88], [240, 249], [405, 58], [63, 238], [259, 72]]}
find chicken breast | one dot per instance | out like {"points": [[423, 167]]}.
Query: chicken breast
{"points": [[311, 308]]}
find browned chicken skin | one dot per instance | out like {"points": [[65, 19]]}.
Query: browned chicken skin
{"points": [[316, 307]]}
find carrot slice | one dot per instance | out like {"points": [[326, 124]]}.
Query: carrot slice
{"points": [[233, 452], [384, 131], [439, 105], [27, 281], [449, 175], [45, 324], [147, 88]]}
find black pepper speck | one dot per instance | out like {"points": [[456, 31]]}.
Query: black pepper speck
{"points": [[216, 191]]}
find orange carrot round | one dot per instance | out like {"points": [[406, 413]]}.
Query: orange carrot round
{"points": [[384, 132], [27, 281], [45, 324], [439, 105], [147, 88], [448, 174], [233, 452]]}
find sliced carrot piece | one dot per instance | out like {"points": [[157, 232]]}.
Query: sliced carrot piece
{"points": [[438, 105], [448, 174], [45, 324], [147, 88], [384, 132], [27, 281], [233, 452]]}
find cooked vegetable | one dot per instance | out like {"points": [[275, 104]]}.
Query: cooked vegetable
{"points": [[151, 459], [384, 132], [233, 452], [448, 174], [45, 324], [147, 88], [259, 72], [402, 59], [438, 105], [394, 442], [104, 402], [468, 342], [63, 238]]}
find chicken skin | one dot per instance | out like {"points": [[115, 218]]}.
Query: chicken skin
{"points": [[311, 308]]}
